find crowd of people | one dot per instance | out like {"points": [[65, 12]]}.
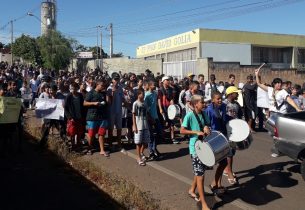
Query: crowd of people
{"points": [[97, 103]]}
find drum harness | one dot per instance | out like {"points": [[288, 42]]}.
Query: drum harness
{"points": [[200, 123]]}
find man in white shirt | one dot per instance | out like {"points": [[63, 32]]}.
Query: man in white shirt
{"points": [[277, 99]]}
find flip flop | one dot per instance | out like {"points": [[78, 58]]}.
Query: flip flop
{"points": [[106, 154], [196, 197], [141, 163]]}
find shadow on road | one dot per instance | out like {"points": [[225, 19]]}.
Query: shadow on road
{"points": [[176, 154], [255, 191], [39, 180]]}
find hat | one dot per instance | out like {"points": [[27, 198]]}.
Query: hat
{"points": [[231, 89], [191, 75], [165, 78]]}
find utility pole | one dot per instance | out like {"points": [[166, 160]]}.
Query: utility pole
{"points": [[111, 40], [101, 52], [97, 33], [12, 40], [97, 43]]}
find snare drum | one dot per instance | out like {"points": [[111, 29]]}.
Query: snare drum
{"points": [[212, 149], [173, 111]]}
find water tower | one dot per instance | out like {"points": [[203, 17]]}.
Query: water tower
{"points": [[48, 16]]}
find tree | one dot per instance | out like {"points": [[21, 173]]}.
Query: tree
{"points": [[56, 50], [26, 47], [93, 49], [117, 55]]}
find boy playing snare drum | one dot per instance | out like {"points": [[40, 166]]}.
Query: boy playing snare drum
{"points": [[194, 125]]}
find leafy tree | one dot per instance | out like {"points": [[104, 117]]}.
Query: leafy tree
{"points": [[117, 55], [27, 48], [93, 49], [56, 50]]}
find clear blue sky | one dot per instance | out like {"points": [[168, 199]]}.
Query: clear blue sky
{"points": [[139, 22]]}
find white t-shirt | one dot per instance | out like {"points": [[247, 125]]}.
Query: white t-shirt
{"points": [[140, 111], [280, 98], [34, 84]]}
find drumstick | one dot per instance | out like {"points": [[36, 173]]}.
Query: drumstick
{"points": [[259, 68]]}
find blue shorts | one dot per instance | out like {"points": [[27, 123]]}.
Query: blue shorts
{"points": [[95, 127]]}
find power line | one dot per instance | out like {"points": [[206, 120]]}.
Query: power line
{"points": [[184, 17], [215, 17]]}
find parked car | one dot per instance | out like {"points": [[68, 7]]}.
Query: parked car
{"points": [[288, 132]]}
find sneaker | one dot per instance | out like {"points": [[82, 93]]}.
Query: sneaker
{"points": [[175, 141], [152, 156], [275, 155], [157, 153], [123, 151]]}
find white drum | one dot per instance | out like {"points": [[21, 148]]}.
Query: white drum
{"points": [[237, 130], [212, 149], [173, 111], [243, 144], [238, 133]]}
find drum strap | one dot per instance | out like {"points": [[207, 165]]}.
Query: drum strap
{"points": [[198, 120]]}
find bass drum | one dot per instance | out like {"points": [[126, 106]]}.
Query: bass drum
{"points": [[212, 149]]}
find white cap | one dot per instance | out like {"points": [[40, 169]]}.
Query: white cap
{"points": [[165, 78], [241, 85]]}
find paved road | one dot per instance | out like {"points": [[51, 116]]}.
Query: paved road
{"points": [[265, 182]]}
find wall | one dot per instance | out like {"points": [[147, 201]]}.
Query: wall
{"points": [[227, 52], [223, 70], [6, 58], [126, 65]]}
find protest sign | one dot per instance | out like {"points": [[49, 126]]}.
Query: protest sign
{"points": [[49, 108], [9, 109]]}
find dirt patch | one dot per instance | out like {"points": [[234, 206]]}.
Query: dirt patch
{"points": [[122, 191]]}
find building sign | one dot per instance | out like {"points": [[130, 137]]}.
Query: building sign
{"points": [[85, 55], [169, 43]]}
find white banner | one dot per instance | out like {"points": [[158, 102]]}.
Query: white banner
{"points": [[262, 98], [50, 109], [85, 55]]}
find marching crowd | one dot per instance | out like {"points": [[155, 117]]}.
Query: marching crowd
{"points": [[96, 103]]}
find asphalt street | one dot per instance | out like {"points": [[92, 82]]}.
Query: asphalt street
{"points": [[264, 182]]}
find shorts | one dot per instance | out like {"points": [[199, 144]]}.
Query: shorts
{"points": [[232, 152], [142, 137], [249, 113], [115, 120], [127, 122], [97, 127], [75, 127], [198, 167]]}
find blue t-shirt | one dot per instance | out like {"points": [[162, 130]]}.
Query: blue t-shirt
{"points": [[190, 123], [217, 117], [151, 99]]}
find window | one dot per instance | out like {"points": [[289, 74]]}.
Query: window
{"points": [[271, 55]]}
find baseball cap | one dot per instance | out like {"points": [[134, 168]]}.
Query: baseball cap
{"points": [[190, 75], [165, 78], [231, 89]]}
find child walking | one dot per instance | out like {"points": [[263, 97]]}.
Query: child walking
{"points": [[140, 126]]}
